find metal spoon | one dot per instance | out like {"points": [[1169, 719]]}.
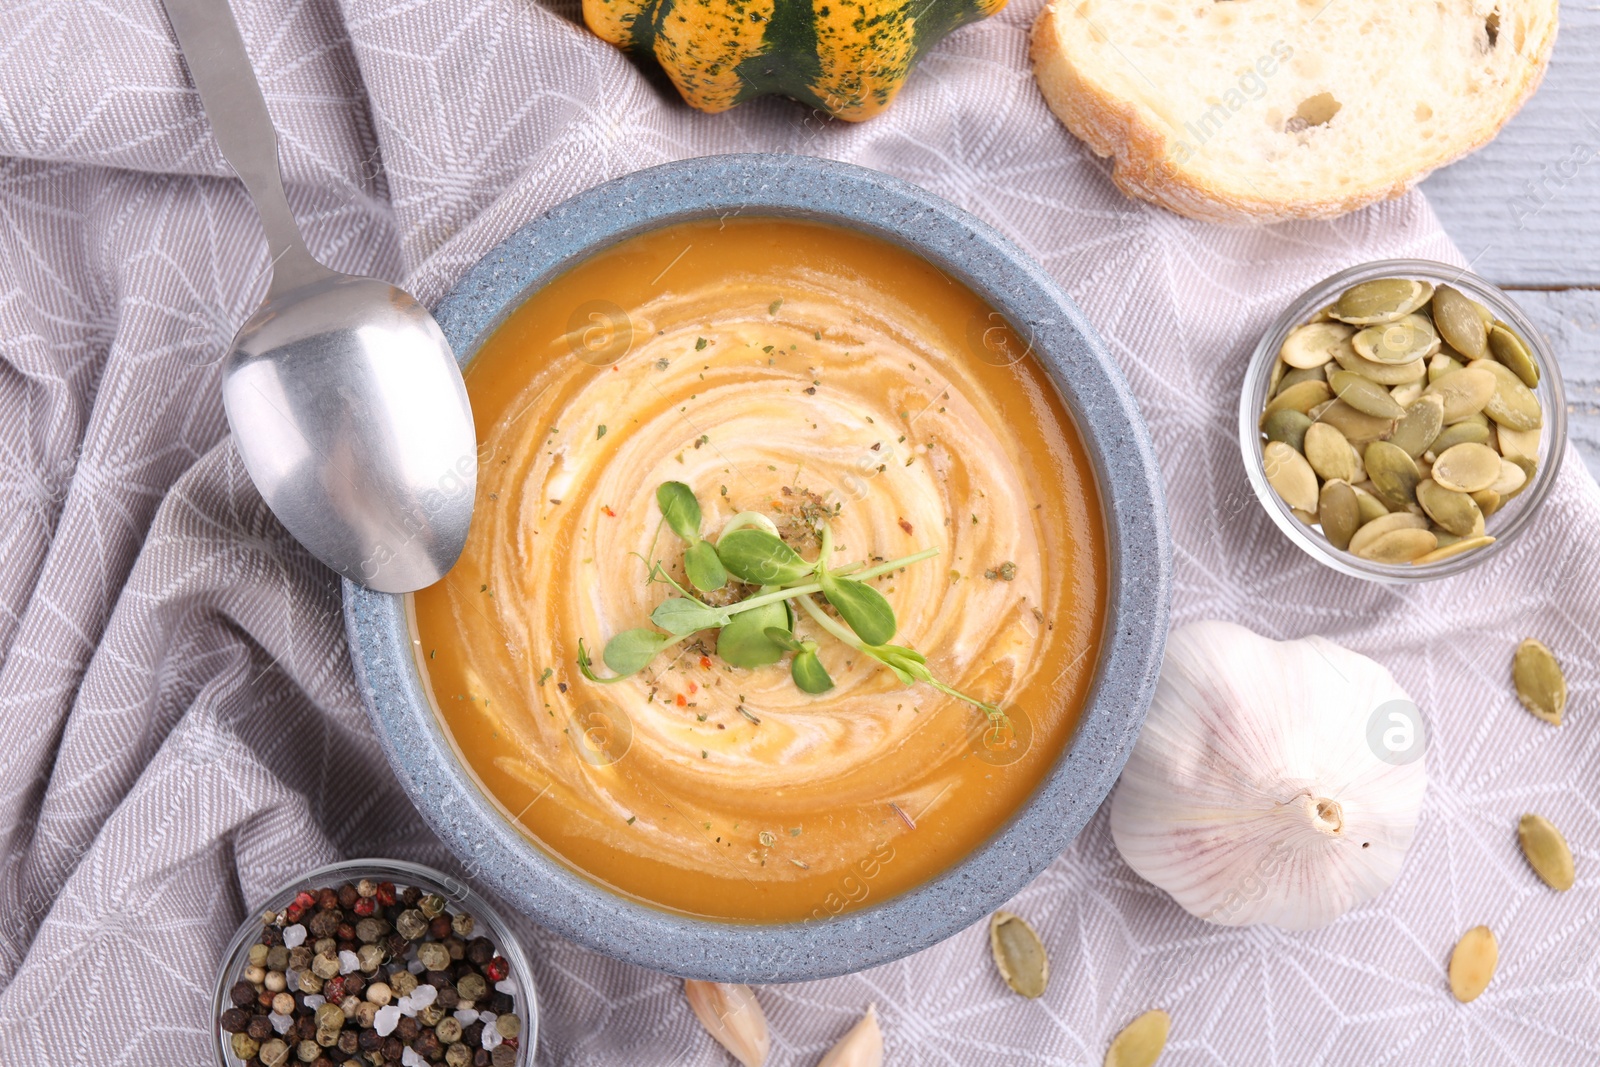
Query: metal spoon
{"points": [[345, 400]]}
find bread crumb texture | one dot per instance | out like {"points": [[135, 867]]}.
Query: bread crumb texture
{"points": [[1260, 110]]}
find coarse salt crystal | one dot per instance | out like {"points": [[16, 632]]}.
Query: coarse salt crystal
{"points": [[294, 936], [291, 980], [386, 1019], [315, 1001], [348, 961], [280, 1023], [406, 1006], [423, 995], [487, 1018], [506, 985], [415, 967], [409, 1057], [466, 1016], [491, 1038]]}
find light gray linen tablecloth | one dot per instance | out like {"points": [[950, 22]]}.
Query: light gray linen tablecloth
{"points": [[181, 732]]}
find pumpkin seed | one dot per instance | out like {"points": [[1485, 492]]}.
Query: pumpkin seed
{"points": [[1340, 511], [1295, 377], [1420, 426], [1512, 479], [1540, 685], [1302, 398], [1472, 963], [1466, 467], [1406, 395], [1458, 434], [1455, 511], [1457, 546], [1019, 954], [1394, 474], [1365, 396], [1381, 300], [1307, 518], [1289, 427], [1140, 1043], [1371, 507], [1509, 349], [1383, 525], [1398, 546], [1357, 426], [1311, 346], [1275, 379], [1290, 476], [1547, 851], [1488, 501], [1406, 341], [1329, 453], [1465, 392], [1458, 322], [1512, 403], [1441, 364], [1382, 373], [1325, 315], [1518, 444]]}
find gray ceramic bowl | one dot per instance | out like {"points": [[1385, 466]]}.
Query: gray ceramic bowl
{"points": [[1139, 554]]}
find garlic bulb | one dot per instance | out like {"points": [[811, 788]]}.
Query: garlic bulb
{"points": [[1275, 782]]}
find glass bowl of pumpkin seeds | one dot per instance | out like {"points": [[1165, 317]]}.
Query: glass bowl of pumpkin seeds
{"points": [[1402, 420]]}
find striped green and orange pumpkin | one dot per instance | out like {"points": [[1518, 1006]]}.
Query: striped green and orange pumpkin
{"points": [[848, 57]]}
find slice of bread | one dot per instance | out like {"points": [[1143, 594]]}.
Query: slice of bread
{"points": [[1240, 110]]}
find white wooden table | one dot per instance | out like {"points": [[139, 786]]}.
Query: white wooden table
{"points": [[1526, 210]]}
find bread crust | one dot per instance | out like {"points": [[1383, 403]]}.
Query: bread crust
{"points": [[1115, 128]]}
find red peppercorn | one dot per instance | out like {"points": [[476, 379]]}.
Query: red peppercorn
{"points": [[304, 900], [496, 969], [386, 894], [347, 932], [333, 989], [293, 913], [365, 906]]}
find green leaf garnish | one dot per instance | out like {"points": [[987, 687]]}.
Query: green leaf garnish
{"points": [[628, 652], [680, 509], [683, 616], [809, 673], [744, 641], [761, 558], [784, 639], [861, 606], [704, 568]]}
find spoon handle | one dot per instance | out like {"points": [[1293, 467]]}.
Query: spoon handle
{"points": [[220, 67]]}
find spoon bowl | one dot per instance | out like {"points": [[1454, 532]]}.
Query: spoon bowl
{"points": [[351, 417]]}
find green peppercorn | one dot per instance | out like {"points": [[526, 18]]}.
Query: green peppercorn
{"points": [[258, 955], [449, 1030], [462, 923], [434, 956], [432, 1015], [471, 987], [431, 905], [310, 981], [299, 958], [503, 1056], [411, 924], [273, 1053], [308, 1051], [277, 958], [369, 958], [368, 930], [244, 1046], [404, 983], [508, 1025], [458, 1055], [325, 965]]}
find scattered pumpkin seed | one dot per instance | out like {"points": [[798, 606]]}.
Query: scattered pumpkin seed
{"points": [[1459, 323], [1302, 398], [1547, 851], [1455, 511], [1140, 1043], [1357, 426], [1466, 467], [1381, 300], [1289, 427], [1472, 963], [1397, 343], [1394, 474], [1540, 685], [1312, 345], [1371, 507], [1517, 444], [1290, 476], [1458, 434], [1340, 511], [1365, 396], [1513, 477], [1382, 373], [1512, 403], [1405, 395], [1329, 453], [1420, 426], [1457, 546], [1399, 546], [1019, 954], [1295, 377], [1465, 392], [1488, 501], [1441, 364], [1385, 524], [1508, 348]]}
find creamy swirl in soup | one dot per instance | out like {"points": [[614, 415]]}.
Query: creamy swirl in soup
{"points": [[811, 374]]}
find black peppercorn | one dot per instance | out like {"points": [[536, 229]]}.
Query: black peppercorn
{"points": [[397, 945], [348, 896], [271, 935], [234, 1020], [349, 1042], [259, 1027], [472, 1035], [448, 998], [503, 1056], [354, 984], [407, 1029], [480, 950], [410, 895], [392, 1049], [480, 1058], [437, 979], [243, 994], [324, 923], [439, 926], [428, 1045], [327, 899], [366, 1040], [500, 1003]]}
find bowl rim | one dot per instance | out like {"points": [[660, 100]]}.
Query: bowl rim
{"points": [[1550, 389], [1138, 552], [231, 962]]}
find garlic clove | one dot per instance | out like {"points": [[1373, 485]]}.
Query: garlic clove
{"points": [[732, 1015], [1259, 791], [861, 1047]]}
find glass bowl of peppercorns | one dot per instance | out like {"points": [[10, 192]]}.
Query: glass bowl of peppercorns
{"points": [[375, 962]]}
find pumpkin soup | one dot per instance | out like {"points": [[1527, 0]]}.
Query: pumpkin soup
{"points": [[732, 474]]}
